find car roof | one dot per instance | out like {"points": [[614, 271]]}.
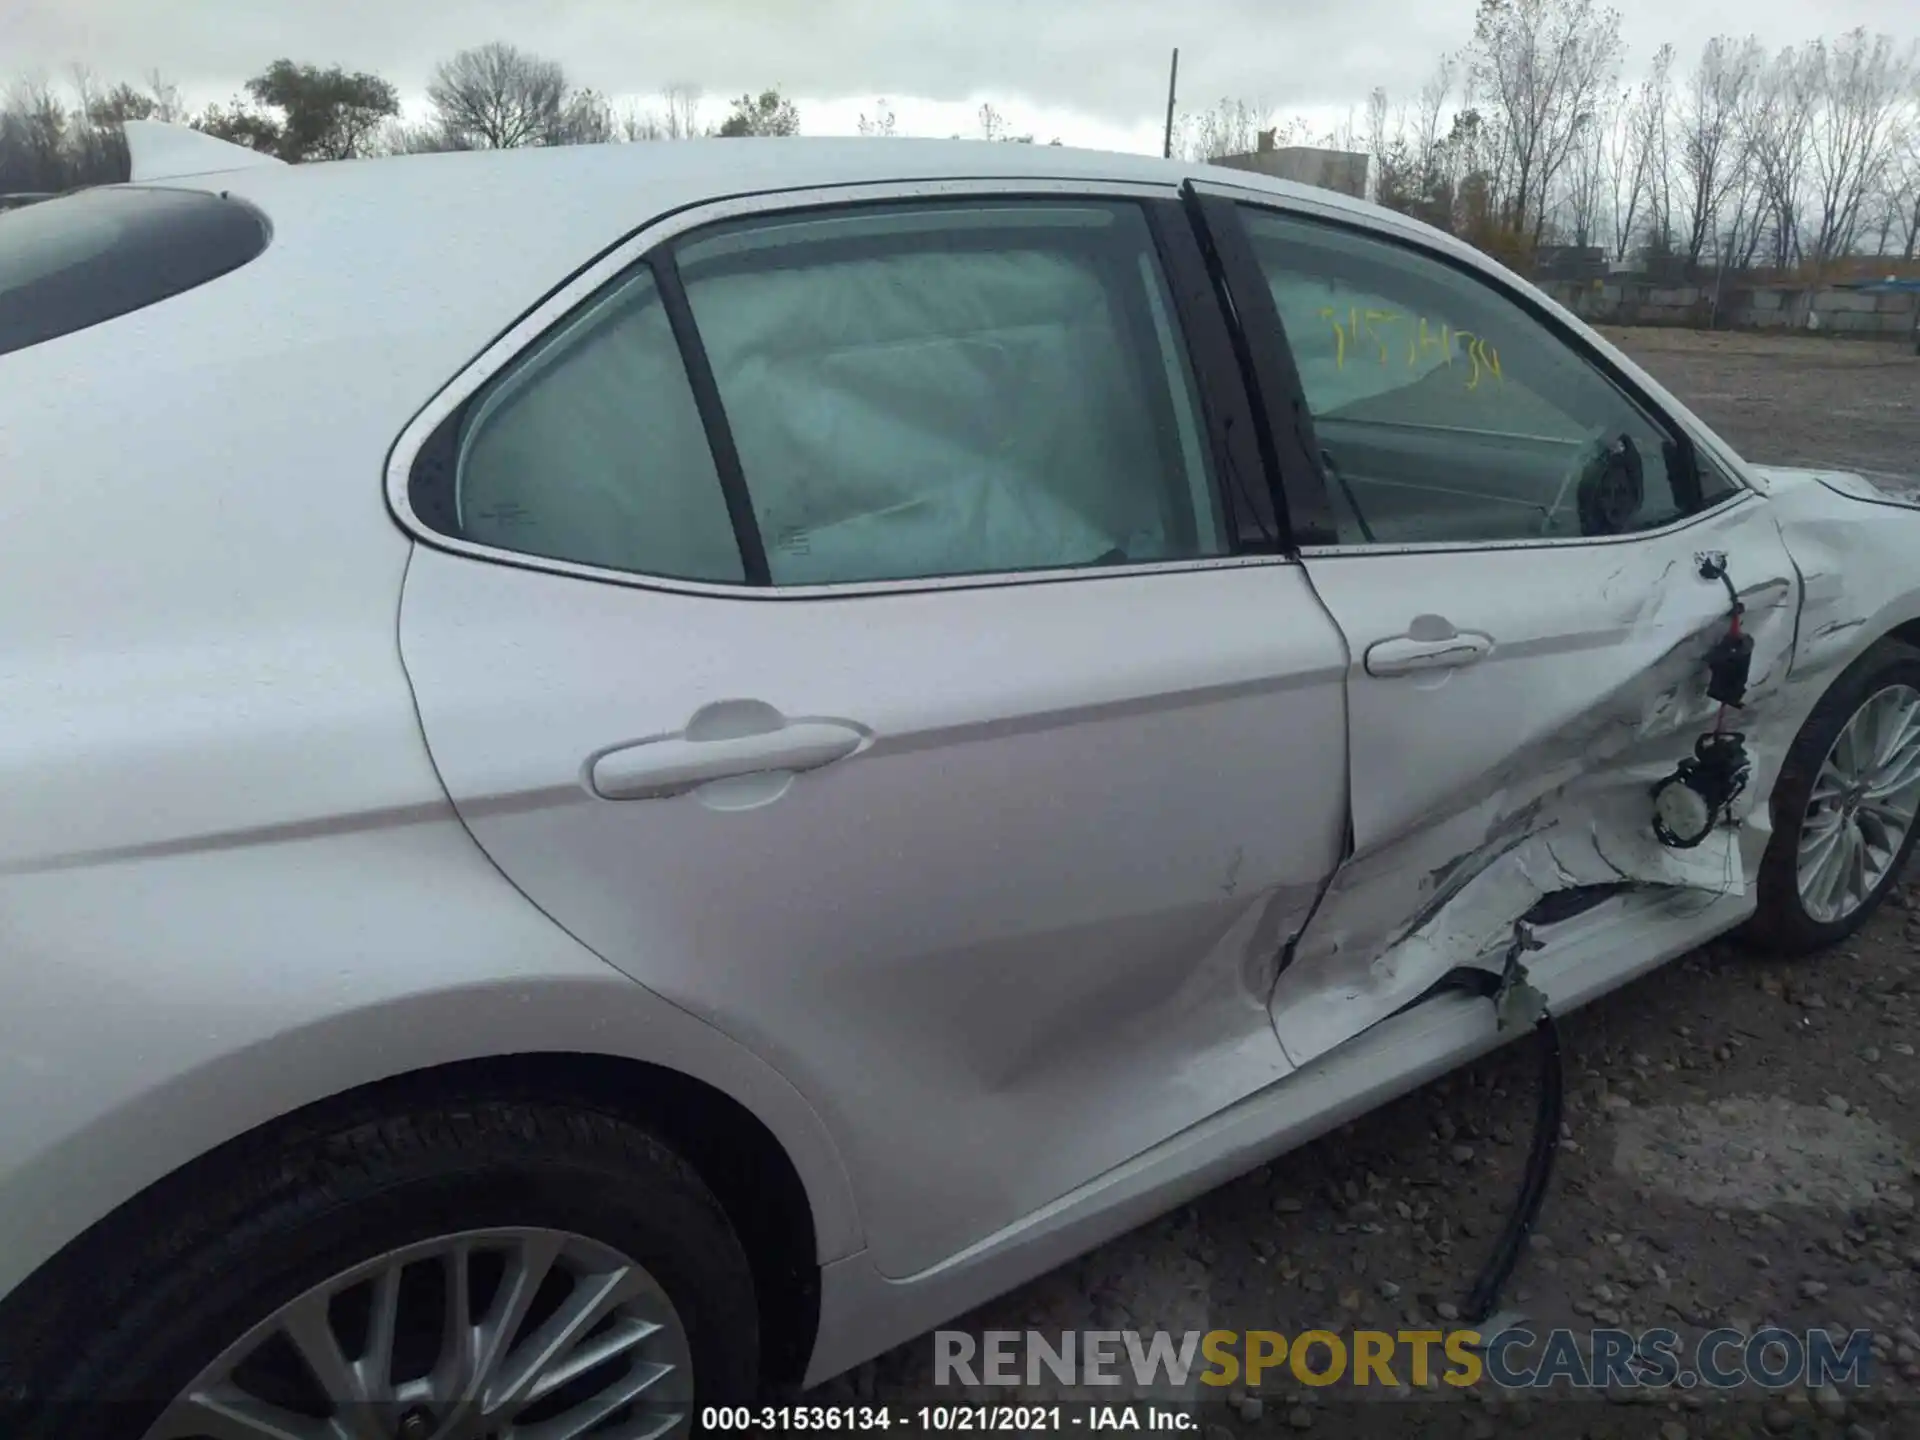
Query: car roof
{"points": [[608, 191], [463, 244], [721, 167], [500, 229]]}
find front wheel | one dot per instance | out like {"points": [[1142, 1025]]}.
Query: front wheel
{"points": [[1845, 806], [443, 1272]]}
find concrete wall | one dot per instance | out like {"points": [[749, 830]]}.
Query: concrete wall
{"points": [[1843, 312], [1342, 170]]}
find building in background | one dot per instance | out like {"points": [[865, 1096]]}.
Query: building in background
{"points": [[1341, 170]]}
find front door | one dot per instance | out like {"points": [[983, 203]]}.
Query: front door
{"points": [[837, 620], [1515, 547]]}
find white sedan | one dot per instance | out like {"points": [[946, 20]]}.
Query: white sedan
{"points": [[634, 773]]}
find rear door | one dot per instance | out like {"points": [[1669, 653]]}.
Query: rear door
{"points": [[860, 618], [1527, 622]]}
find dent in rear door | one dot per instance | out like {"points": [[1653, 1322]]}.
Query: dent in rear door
{"points": [[1029, 927]]}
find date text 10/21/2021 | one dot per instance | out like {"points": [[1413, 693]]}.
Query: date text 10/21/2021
{"points": [[945, 1419]]}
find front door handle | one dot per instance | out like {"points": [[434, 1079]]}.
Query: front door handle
{"points": [[1431, 643], [723, 741]]}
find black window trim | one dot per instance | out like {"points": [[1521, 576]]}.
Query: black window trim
{"points": [[1285, 424], [421, 486], [665, 265], [1275, 379], [1244, 480]]}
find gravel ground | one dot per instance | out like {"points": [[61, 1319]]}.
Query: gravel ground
{"points": [[1794, 399], [1740, 1140]]}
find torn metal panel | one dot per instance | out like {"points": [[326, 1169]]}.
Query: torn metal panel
{"points": [[1856, 542], [1478, 790], [1874, 487]]}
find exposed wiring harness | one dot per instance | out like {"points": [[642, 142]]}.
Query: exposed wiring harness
{"points": [[1700, 792], [1516, 1002]]}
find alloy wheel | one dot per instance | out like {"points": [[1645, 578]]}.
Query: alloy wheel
{"points": [[510, 1334], [1863, 806]]}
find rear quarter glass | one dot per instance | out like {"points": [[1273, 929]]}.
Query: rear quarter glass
{"points": [[76, 261]]}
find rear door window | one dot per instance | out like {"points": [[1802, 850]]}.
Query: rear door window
{"points": [[75, 261], [891, 393], [931, 390]]}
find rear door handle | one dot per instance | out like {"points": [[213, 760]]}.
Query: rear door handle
{"points": [[1431, 643], [723, 741]]}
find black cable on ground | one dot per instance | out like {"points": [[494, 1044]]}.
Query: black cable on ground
{"points": [[1484, 1298]]}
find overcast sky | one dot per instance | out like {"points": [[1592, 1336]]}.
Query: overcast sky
{"points": [[1092, 72]]}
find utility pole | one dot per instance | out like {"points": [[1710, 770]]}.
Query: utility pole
{"points": [[1173, 86]]}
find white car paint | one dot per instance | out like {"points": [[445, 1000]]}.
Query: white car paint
{"points": [[987, 974], [255, 730]]}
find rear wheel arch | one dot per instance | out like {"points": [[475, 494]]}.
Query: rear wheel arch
{"points": [[734, 1153]]}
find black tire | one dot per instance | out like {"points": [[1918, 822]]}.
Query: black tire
{"points": [[1781, 924], [142, 1304]]}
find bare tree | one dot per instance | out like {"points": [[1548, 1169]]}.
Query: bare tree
{"points": [[34, 137], [881, 124], [1391, 161], [425, 138], [95, 141], [1429, 139], [164, 98], [995, 127], [499, 97], [678, 118], [1344, 136], [1656, 119], [1778, 127], [637, 124], [1585, 179], [1904, 184], [1231, 127], [1860, 85], [1712, 149], [91, 138], [587, 119], [1539, 66], [683, 113], [1629, 153]]}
